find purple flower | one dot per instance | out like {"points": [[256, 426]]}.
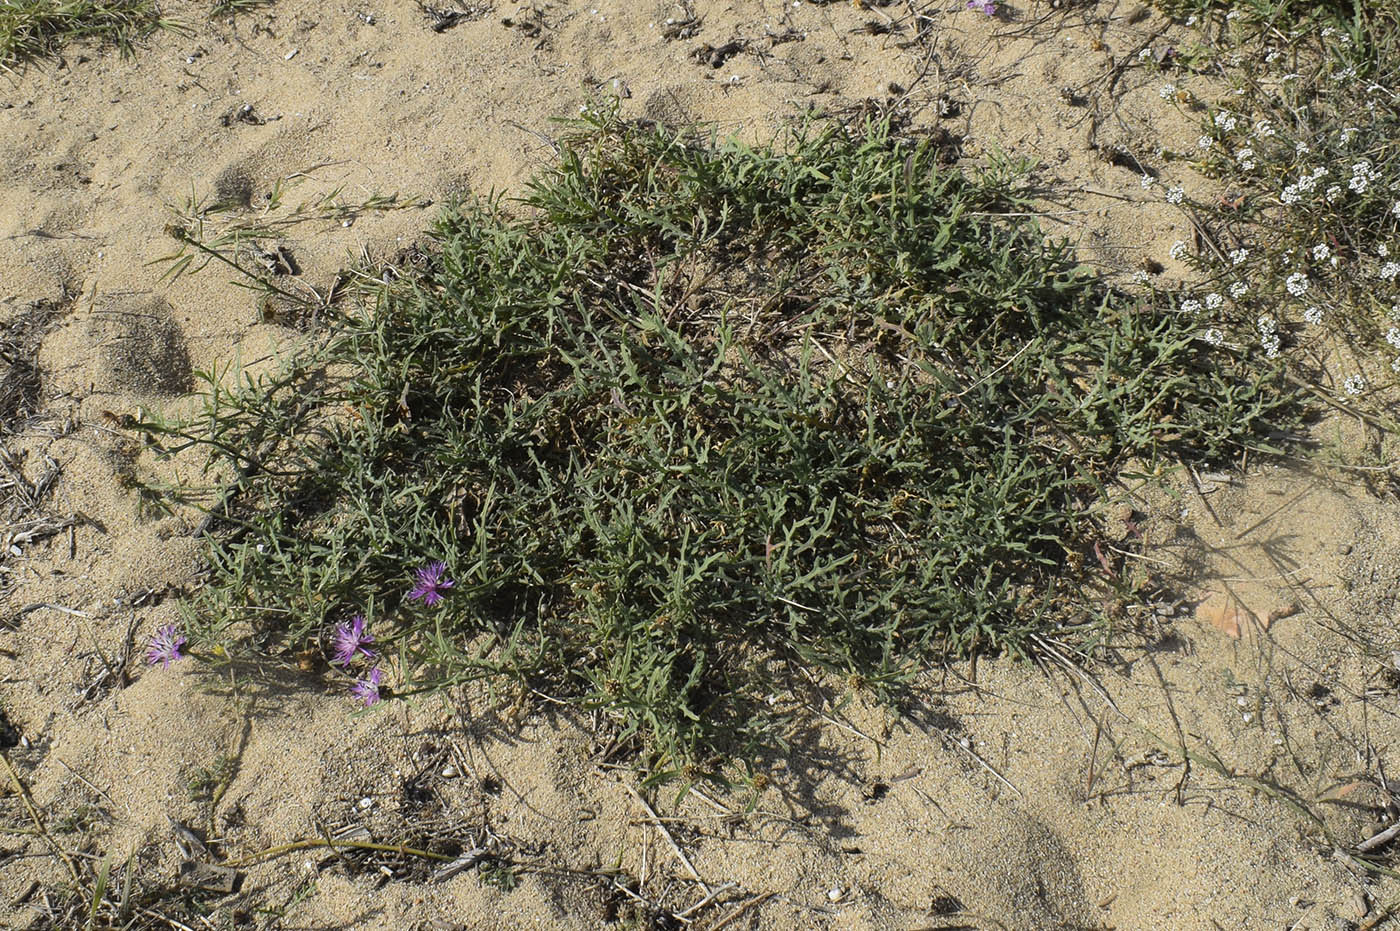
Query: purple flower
{"points": [[431, 583], [983, 6], [165, 646], [367, 689], [351, 639]]}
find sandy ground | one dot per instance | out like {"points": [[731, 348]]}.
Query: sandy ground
{"points": [[1011, 796]]}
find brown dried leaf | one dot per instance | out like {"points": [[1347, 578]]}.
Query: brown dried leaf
{"points": [[1228, 615]]}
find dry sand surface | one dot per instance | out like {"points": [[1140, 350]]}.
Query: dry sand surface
{"points": [[1012, 795]]}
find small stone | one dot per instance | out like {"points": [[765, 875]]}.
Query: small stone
{"points": [[449, 771], [366, 803], [835, 893], [1344, 549]]}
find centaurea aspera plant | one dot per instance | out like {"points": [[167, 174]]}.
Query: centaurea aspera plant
{"points": [[352, 638], [367, 689], [431, 583], [166, 646]]}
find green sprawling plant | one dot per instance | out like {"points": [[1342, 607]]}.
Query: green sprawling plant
{"points": [[694, 417]]}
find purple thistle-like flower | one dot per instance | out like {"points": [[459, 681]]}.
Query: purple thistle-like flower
{"points": [[350, 638], [983, 6], [431, 583], [165, 647], [367, 689]]}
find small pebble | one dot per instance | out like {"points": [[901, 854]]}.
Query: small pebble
{"points": [[291, 54], [835, 893], [1344, 549], [366, 803], [449, 771]]}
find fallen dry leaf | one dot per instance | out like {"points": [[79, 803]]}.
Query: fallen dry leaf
{"points": [[1225, 614], [1230, 616]]}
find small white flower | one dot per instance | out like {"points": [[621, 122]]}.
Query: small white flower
{"points": [[1214, 301], [1313, 315], [1222, 118], [1345, 136], [1382, 250], [1388, 271], [1320, 252], [1393, 337], [1238, 256], [1238, 290], [1395, 364], [1213, 336], [1166, 91], [1266, 325], [1147, 181], [1246, 159], [1205, 142], [1333, 193], [1140, 277], [1191, 306], [1192, 20], [1394, 312], [1297, 284], [1289, 195], [1301, 148], [1270, 344], [1354, 385], [1396, 208], [1175, 195], [1178, 249], [1264, 129], [1347, 73], [1272, 57], [1145, 54]]}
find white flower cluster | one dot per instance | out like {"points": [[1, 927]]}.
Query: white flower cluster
{"points": [[1237, 256], [1204, 143], [1313, 315], [1147, 181], [1214, 301], [1396, 209], [1268, 335], [1320, 252], [1225, 121], [1393, 337], [1388, 271], [1166, 91], [1304, 185], [1176, 195], [1297, 284], [1191, 306], [1213, 336], [1264, 129], [1245, 158], [1238, 290], [1178, 250], [1354, 385], [1362, 174]]}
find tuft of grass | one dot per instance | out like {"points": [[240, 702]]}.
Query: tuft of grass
{"points": [[694, 420], [33, 29]]}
